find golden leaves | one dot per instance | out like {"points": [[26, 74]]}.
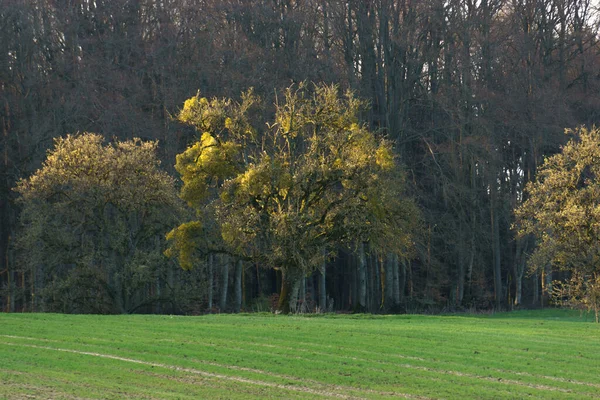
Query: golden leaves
{"points": [[183, 241], [122, 173], [563, 206], [317, 179]]}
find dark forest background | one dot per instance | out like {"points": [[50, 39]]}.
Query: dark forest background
{"points": [[473, 94]]}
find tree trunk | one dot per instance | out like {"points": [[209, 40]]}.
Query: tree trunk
{"points": [[389, 282], [403, 266], [224, 285], [519, 270], [158, 307], [170, 286], [211, 277], [290, 284], [382, 278], [239, 271], [322, 290], [302, 297], [396, 280], [5, 208], [471, 263], [4, 269], [518, 290], [362, 279], [460, 273], [547, 284], [536, 287], [11, 290], [376, 286], [496, 247], [353, 264]]}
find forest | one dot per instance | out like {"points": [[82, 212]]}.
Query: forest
{"points": [[469, 97]]}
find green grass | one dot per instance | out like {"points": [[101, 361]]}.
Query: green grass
{"points": [[543, 354]]}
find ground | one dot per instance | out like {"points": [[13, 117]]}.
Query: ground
{"points": [[541, 354]]}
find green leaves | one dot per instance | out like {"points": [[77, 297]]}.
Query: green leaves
{"points": [[313, 180], [92, 217]]}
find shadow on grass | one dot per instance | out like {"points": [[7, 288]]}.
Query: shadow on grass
{"points": [[549, 314]]}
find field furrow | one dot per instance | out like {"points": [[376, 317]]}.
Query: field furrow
{"points": [[547, 354]]}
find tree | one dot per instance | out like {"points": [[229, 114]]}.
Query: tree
{"points": [[562, 211], [93, 220], [474, 94], [288, 197], [580, 292]]}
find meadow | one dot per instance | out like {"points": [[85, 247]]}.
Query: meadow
{"points": [[537, 354]]}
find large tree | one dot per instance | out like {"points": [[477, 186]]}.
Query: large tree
{"points": [[562, 211], [288, 197], [473, 94], [93, 220]]}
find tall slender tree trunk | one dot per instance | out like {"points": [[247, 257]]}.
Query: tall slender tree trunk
{"points": [[376, 286], [322, 288], [389, 300], [362, 279], [239, 272], [302, 296], [471, 264], [460, 273], [519, 270], [496, 246], [170, 285], [402, 267], [396, 280], [211, 278], [519, 291], [5, 207], [11, 290], [536, 287], [353, 294], [4, 267], [224, 284], [382, 285], [547, 284], [157, 285]]}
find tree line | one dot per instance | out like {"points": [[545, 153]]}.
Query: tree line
{"points": [[472, 95]]}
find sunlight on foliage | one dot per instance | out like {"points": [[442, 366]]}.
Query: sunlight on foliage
{"points": [[94, 216], [184, 240], [562, 209], [315, 181]]}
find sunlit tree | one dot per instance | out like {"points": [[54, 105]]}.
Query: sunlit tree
{"points": [[93, 220], [562, 211], [288, 196]]}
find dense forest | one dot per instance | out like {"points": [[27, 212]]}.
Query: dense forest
{"points": [[472, 96]]}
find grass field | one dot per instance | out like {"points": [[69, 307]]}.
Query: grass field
{"points": [[542, 354]]}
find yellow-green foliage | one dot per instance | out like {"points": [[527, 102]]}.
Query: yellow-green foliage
{"points": [[184, 240], [92, 215], [203, 164], [581, 292], [563, 206], [315, 179], [125, 174]]}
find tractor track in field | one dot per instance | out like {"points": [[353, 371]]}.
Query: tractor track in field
{"points": [[500, 380], [326, 390], [48, 392], [294, 388]]}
